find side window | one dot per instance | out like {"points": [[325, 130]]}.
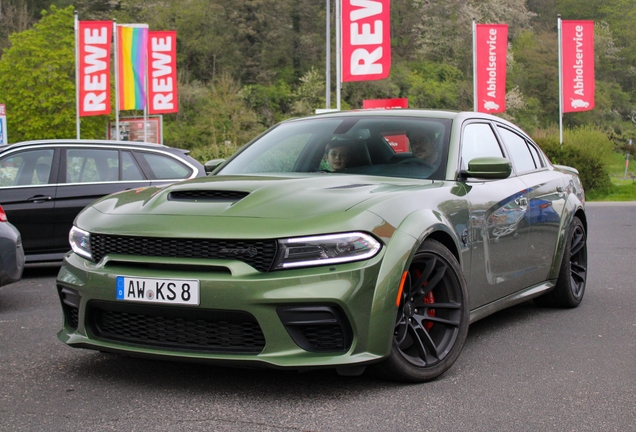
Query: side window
{"points": [[519, 152], [26, 168], [478, 140], [164, 167], [129, 168], [91, 165], [536, 155]]}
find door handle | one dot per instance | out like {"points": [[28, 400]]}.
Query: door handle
{"points": [[39, 199]]}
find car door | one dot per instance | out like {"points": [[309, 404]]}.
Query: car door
{"points": [[546, 201], [89, 173], [498, 234], [27, 191]]}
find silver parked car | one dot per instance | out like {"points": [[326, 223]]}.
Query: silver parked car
{"points": [[11, 252]]}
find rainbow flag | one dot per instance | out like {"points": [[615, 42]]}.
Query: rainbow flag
{"points": [[132, 46]]}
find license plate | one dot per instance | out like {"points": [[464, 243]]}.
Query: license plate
{"points": [[151, 290]]}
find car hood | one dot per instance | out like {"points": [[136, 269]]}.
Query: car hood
{"points": [[257, 197], [256, 207]]}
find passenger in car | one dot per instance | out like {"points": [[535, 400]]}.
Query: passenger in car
{"points": [[337, 155], [424, 146], [42, 171]]}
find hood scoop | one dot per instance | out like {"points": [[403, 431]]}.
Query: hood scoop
{"points": [[351, 186], [206, 195]]}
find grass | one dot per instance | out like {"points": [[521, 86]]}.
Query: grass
{"points": [[623, 186]]}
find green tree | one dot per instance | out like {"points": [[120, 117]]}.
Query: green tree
{"points": [[536, 74], [14, 18], [37, 81], [213, 116], [310, 94]]}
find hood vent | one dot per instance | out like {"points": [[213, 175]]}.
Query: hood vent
{"points": [[206, 195], [351, 186]]}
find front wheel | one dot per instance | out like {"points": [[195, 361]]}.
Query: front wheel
{"points": [[432, 318]]}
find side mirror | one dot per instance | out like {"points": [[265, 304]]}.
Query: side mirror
{"points": [[213, 164], [489, 168]]}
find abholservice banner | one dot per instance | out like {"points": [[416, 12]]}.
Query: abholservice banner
{"points": [[491, 45], [577, 56]]}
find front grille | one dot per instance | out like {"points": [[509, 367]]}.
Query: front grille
{"points": [[260, 254], [182, 329], [206, 195]]}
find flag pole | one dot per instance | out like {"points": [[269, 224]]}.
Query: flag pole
{"points": [[116, 63], [474, 65], [560, 80], [146, 100], [77, 73], [338, 53], [328, 56]]}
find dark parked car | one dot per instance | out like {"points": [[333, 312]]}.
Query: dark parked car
{"points": [[11, 252], [282, 259], [45, 184]]}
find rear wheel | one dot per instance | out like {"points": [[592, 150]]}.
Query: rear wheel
{"points": [[432, 318], [570, 285]]}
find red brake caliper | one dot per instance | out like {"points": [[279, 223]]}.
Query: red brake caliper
{"points": [[428, 299]]}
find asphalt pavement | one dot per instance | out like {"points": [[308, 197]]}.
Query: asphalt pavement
{"points": [[523, 369]]}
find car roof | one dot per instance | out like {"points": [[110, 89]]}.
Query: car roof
{"points": [[406, 112], [56, 142], [409, 112]]}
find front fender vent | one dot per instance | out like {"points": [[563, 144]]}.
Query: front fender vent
{"points": [[206, 195]]}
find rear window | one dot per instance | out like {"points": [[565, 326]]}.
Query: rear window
{"points": [[163, 167]]}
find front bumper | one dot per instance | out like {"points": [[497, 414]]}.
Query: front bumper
{"points": [[303, 318]]}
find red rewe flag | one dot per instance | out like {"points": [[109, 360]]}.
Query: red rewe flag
{"points": [[577, 55], [491, 45], [366, 40], [162, 72], [94, 48]]}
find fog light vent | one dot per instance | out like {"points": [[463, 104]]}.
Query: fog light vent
{"points": [[321, 328], [70, 306]]}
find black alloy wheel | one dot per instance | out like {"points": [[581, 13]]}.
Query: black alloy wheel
{"points": [[432, 317], [578, 260], [570, 286]]}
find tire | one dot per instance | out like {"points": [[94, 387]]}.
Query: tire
{"points": [[570, 285], [432, 318]]}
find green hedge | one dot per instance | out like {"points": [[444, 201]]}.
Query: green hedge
{"points": [[585, 148]]}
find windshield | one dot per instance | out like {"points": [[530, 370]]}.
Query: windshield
{"points": [[385, 146]]}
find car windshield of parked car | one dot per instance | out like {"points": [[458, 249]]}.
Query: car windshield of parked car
{"points": [[407, 147]]}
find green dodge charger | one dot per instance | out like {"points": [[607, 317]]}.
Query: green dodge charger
{"points": [[350, 240]]}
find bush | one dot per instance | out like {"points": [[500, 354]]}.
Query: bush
{"points": [[585, 148], [213, 151]]}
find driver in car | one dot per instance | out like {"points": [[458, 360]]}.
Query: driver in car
{"points": [[424, 146]]}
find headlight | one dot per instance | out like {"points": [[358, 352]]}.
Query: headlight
{"points": [[326, 249], [80, 241]]}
